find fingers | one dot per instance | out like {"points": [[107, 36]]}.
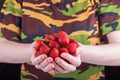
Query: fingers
{"points": [[47, 62], [75, 60], [39, 59], [43, 62], [63, 66], [67, 62], [51, 72], [48, 68], [58, 69]]}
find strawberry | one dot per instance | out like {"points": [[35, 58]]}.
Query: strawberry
{"points": [[38, 44], [63, 40], [54, 53], [63, 49], [74, 41], [62, 34], [55, 35], [72, 48], [36, 53], [44, 49], [53, 44], [49, 37]]}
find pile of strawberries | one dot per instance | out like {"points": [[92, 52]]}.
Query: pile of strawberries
{"points": [[54, 45]]}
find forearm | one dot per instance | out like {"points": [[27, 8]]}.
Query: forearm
{"points": [[13, 52], [108, 54]]}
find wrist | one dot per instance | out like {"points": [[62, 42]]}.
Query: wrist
{"points": [[81, 51]]}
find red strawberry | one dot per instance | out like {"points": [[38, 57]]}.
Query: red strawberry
{"points": [[38, 44], [55, 35], [63, 49], [54, 53], [44, 49], [62, 34], [63, 40], [73, 41], [49, 37], [36, 53], [72, 48], [53, 44]]}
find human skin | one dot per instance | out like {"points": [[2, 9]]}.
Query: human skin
{"points": [[13, 52], [106, 54]]}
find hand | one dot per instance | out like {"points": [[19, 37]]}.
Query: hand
{"points": [[67, 62], [44, 63]]}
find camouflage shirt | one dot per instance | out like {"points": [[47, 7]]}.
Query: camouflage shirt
{"points": [[87, 21]]}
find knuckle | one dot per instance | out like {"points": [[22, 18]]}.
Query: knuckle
{"points": [[67, 68], [78, 64], [73, 69], [38, 67], [51, 66]]}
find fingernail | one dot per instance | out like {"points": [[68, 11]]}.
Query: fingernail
{"points": [[49, 60], [43, 56], [51, 66], [63, 54], [58, 60]]}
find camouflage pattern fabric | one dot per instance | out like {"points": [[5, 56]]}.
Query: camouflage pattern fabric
{"points": [[87, 21]]}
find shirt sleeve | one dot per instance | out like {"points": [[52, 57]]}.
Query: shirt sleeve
{"points": [[109, 16], [10, 20]]}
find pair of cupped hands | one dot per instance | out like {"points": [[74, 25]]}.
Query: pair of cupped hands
{"points": [[65, 63]]}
